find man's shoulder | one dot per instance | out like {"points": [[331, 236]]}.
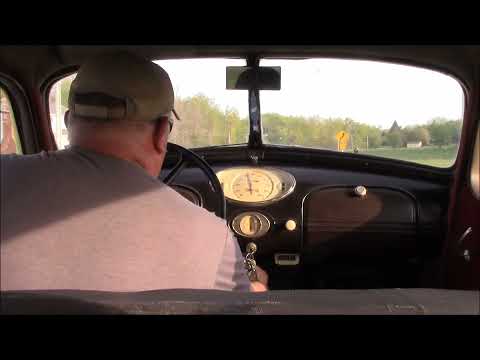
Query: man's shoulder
{"points": [[19, 158], [44, 162], [189, 210], [6, 158], [12, 160]]}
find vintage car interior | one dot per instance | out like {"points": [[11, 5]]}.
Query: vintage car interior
{"points": [[346, 226]]}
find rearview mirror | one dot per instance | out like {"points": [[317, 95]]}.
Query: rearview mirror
{"points": [[246, 77]]}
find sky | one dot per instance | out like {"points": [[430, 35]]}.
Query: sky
{"points": [[375, 93]]}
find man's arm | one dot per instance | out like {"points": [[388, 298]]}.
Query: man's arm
{"points": [[231, 273]]}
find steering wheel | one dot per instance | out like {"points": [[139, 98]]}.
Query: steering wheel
{"points": [[187, 157]]}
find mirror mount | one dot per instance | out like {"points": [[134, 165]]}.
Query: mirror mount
{"points": [[253, 78], [255, 133]]}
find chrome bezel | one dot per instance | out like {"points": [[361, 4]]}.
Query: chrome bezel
{"points": [[291, 180], [264, 224]]}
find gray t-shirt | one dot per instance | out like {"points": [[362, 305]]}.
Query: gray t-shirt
{"points": [[76, 219]]}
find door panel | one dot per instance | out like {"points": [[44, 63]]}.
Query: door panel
{"points": [[463, 247], [463, 269]]}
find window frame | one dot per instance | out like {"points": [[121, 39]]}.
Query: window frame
{"points": [[473, 168]]}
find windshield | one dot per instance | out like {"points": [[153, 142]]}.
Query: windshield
{"points": [[368, 107], [210, 115]]}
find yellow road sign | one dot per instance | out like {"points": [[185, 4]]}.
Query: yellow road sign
{"points": [[342, 139]]}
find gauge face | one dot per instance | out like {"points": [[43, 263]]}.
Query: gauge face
{"points": [[252, 186], [255, 185], [251, 224]]}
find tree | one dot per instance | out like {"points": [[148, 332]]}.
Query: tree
{"points": [[416, 134], [444, 131], [423, 135], [394, 127], [362, 132], [394, 139], [204, 123], [65, 85], [374, 137]]}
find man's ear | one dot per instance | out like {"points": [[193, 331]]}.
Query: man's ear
{"points": [[66, 119], [160, 136]]}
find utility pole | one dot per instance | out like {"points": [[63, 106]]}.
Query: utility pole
{"points": [[367, 143], [229, 131], [228, 126]]}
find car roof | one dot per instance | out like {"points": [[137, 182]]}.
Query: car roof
{"points": [[456, 60]]}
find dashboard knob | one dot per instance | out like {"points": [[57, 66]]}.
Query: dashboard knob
{"points": [[360, 191], [290, 225]]}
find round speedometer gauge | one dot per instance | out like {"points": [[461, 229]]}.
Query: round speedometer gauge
{"points": [[252, 186], [255, 185]]}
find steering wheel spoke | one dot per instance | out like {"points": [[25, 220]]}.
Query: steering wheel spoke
{"points": [[177, 169], [186, 157]]}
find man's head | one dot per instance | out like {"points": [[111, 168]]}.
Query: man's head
{"points": [[122, 105]]}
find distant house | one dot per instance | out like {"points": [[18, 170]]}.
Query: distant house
{"points": [[418, 144]]}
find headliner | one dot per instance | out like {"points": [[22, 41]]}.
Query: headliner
{"points": [[16, 61]]}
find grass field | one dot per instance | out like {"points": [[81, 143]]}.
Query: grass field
{"points": [[428, 155]]}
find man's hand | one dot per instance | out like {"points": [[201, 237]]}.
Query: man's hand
{"points": [[262, 283]]}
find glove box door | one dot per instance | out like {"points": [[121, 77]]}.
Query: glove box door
{"points": [[357, 222]]}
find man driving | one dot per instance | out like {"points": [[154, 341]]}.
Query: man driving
{"points": [[95, 216]]}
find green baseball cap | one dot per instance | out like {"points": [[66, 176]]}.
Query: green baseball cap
{"points": [[121, 86]]}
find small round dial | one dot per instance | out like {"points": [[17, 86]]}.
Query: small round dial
{"points": [[252, 186], [251, 224]]}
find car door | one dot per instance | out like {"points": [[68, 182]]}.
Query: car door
{"points": [[463, 252]]}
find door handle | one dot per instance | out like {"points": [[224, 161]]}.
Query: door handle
{"points": [[466, 254], [464, 235]]}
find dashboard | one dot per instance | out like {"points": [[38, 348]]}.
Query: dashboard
{"points": [[266, 203], [251, 187], [300, 214]]}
